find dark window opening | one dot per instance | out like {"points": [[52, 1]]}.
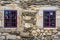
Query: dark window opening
{"points": [[49, 19], [10, 18]]}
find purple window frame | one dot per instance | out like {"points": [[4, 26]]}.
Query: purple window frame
{"points": [[49, 18], [10, 15]]}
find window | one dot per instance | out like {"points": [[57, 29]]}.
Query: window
{"points": [[10, 18], [49, 18]]}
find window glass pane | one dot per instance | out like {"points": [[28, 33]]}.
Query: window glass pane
{"points": [[14, 24], [13, 13], [7, 24], [46, 18], [46, 25], [13, 20], [52, 15], [52, 19], [7, 20]]}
